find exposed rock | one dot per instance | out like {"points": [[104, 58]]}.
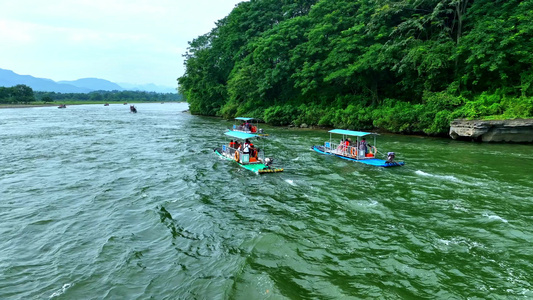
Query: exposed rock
{"points": [[304, 125], [516, 131]]}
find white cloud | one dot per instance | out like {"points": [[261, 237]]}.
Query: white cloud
{"points": [[134, 41]]}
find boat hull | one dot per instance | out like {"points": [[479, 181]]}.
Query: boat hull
{"points": [[256, 168], [376, 162]]}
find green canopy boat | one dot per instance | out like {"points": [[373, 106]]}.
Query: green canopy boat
{"points": [[357, 150], [246, 125], [246, 155]]}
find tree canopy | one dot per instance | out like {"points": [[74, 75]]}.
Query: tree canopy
{"points": [[24, 94], [404, 66]]}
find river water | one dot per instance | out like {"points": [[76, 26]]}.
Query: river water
{"points": [[99, 203]]}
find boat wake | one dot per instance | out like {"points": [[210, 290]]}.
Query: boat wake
{"points": [[61, 291], [446, 177]]}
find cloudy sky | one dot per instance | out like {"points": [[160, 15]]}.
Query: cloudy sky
{"points": [[124, 41]]}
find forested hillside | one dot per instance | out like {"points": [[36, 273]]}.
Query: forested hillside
{"points": [[403, 66]]}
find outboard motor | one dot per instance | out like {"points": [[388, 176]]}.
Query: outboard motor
{"points": [[268, 161], [261, 130], [390, 157]]}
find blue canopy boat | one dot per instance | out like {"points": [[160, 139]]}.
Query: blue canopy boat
{"points": [[357, 150], [254, 159], [246, 125]]}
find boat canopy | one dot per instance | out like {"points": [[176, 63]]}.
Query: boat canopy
{"points": [[350, 132], [244, 119], [240, 135]]}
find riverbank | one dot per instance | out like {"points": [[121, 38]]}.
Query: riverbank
{"points": [[41, 104], [25, 105]]}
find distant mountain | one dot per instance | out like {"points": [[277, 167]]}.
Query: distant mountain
{"points": [[148, 87], [94, 84], [9, 78]]}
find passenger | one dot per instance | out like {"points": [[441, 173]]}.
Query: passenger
{"points": [[362, 145], [246, 148], [339, 147], [232, 144], [237, 145], [253, 152], [346, 145]]}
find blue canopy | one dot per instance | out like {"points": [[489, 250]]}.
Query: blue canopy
{"points": [[350, 132], [240, 135], [244, 119]]}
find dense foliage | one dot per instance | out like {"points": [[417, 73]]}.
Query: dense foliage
{"points": [[16, 94], [404, 66], [24, 94]]}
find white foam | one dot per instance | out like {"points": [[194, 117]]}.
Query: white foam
{"points": [[61, 291], [495, 217], [422, 173], [446, 177], [445, 242], [290, 182]]}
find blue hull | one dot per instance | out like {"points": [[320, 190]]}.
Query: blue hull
{"points": [[369, 161]]}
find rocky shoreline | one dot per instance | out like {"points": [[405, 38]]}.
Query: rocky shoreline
{"points": [[499, 131]]}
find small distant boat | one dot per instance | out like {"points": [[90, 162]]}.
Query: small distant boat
{"points": [[125, 103], [247, 126], [107, 104], [62, 106], [250, 158], [133, 109], [358, 151]]}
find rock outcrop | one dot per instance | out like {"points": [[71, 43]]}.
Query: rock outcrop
{"points": [[514, 131]]}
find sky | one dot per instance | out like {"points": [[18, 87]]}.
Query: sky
{"points": [[123, 41]]}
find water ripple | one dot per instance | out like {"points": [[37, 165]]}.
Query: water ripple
{"points": [[100, 203]]}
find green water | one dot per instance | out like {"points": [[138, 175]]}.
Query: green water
{"points": [[99, 203]]}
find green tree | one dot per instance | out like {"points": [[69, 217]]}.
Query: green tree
{"points": [[22, 94]]}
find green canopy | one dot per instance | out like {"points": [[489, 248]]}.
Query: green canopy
{"points": [[350, 132], [240, 135]]}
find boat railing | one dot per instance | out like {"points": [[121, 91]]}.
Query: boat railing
{"points": [[347, 151]]}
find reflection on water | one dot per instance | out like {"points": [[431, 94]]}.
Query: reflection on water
{"points": [[97, 202]]}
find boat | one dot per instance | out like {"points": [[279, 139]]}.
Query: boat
{"points": [[254, 161], [62, 106], [107, 104], [358, 150], [246, 125], [133, 109]]}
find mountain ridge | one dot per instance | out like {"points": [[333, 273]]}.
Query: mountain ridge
{"points": [[9, 78]]}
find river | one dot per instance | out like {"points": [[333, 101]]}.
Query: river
{"points": [[100, 203]]}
